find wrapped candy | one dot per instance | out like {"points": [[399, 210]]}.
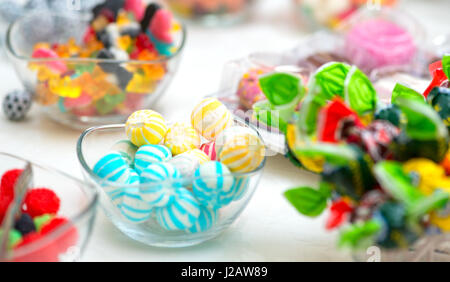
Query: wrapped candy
{"points": [[385, 167]]}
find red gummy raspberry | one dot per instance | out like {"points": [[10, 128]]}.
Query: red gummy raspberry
{"points": [[40, 201], [4, 204], [8, 181], [45, 253], [143, 43]]}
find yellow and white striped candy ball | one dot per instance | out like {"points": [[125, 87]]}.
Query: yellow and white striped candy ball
{"points": [[240, 149], [198, 155], [145, 127], [181, 137], [210, 117]]}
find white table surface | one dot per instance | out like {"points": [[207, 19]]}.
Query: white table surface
{"points": [[269, 229]]}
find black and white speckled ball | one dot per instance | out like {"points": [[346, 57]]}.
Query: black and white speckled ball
{"points": [[16, 104]]}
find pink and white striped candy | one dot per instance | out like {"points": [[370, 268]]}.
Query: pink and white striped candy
{"points": [[210, 150]]}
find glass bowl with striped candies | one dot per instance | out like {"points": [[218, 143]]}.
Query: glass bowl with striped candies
{"points": [[47, 214], [174, 184], [96, 68]]}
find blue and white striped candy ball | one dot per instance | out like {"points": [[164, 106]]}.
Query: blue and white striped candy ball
{"points": [[213, 184], [160, 181], [241, 185], [133, 208], [149, 154], [112, 167], [181, 213], [207, 219]]}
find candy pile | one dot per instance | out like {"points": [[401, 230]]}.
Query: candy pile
{"points": [[119, 31], [194, 9], [39, 217], [332, 13], [181, 174], [385, 168]]}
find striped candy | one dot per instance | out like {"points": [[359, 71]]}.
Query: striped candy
{"points": [[148, 154], [207, 219], [185, 164], [213, 185], [198, 155], [162, 180], [126, 149], [112, 167], [181, 213], [181, 137], [133, 208], [210, 117], [210, 150], [240, 149], [145, 127], [241, 185]]}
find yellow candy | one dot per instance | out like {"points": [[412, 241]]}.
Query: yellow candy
{"points": [[431, 175], [210, 117], [145, 127], [124, 42], [198, 155], [140, 84], [240, 149], [64, 87], [181, 137]]}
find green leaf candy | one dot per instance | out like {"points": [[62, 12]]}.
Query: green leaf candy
{"points": [[446, 65], [360, 94], [401, 91], [308, 201]]}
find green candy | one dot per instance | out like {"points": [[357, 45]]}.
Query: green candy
{"points": [[401, 91], [359, 92], [14, 238], [422, 122], [329, 81], [283, 92], [281, 88], [309, 201], [446, 65], [108, 103], [359, 235], [397, 183], [39, 221]]}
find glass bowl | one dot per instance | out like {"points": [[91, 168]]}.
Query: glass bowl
{"points": [[78, 205], [98, 97], [95, 142], [314, 14], [211, 12]]}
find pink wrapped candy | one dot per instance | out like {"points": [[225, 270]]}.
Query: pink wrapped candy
{"points": [[378, 43], [210, 150]]}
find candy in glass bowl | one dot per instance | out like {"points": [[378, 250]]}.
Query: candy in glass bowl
{"points": [[211, 12], [174, 184], [97, 68], [47, 215]]}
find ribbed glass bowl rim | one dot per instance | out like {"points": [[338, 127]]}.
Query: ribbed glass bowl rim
{"points": [[83, 17], [72, 220], [101, 181]]}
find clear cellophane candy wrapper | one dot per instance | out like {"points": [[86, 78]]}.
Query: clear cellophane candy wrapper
{"points": [[304, 59]]}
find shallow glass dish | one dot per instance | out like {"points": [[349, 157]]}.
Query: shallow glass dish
{"points": [[78, 205], [211, 12], [95, 142], [111, 97]]}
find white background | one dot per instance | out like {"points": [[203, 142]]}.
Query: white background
{"points": [[269, 229]]}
